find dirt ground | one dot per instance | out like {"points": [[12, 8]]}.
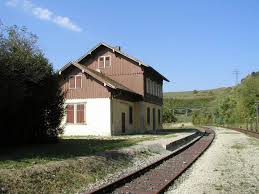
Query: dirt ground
{"points": [[230, 165]]}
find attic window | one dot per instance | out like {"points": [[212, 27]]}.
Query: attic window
{"points": [[75, 82], [104, 61]]}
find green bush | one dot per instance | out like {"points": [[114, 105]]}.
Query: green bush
{"points": [[32, 101]]}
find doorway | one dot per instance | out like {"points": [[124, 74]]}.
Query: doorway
{"points": [[154, 119], [123, 122]]}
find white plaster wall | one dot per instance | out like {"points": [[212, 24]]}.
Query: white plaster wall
{"points": [[98, 118]]}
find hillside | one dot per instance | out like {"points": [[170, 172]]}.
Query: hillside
{"points": [[198, 94], [207, 102]]}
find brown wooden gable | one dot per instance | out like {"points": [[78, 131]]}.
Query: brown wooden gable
{"points": [[91, 88], [123, 70]]}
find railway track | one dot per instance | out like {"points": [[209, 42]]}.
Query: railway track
{"points": [[158, 176], [247, 132]]}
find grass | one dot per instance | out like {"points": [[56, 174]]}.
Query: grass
{"points": [[68, 166], [196, 95], [67, 148], [238, 146], [254, 142]]}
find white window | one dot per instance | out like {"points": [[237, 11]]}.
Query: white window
{"points": [[104, 62]]}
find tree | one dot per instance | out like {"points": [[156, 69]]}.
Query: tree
{"points": [[31, 99], [195, 91], [168, 116]]}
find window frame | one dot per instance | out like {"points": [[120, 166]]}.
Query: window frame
{"points": [[75, 114], [73, 111], [104, 62], [76, 120], [74, 77], [69, 81]]}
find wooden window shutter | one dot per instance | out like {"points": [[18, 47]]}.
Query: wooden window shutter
{"points": [[72, 83], [101, 62], [79, 81], [70, 113], [80, 113], [107, 61]]}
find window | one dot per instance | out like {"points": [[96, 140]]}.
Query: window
{"points": [[80, 113], [161, 90], [148, 116], [70, 113], [104, 61], [130, 115], [147, 85], [78, 81], [75, 113], [151, 87], [158, 115], [107, 61], [75, 82], [72, 83], [101, 62]]}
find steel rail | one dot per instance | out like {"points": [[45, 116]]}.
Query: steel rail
{"points": [[189, 150]]}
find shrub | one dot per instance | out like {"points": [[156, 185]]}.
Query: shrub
{"points": [[32, 101]]}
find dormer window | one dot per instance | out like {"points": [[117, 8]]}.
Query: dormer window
{"points": [[104, 62]]}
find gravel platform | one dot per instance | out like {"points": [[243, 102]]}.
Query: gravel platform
{"points": [[230, 165]]}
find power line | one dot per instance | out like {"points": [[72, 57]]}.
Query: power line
{"points": [[236, 73]]}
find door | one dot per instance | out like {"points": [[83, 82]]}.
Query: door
{"points": [[154, 119], [123, 122]]}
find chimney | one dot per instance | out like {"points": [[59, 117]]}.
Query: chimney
{"points": [[118, 48]]}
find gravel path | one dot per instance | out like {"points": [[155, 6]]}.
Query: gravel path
{"points": [[230, 165]]}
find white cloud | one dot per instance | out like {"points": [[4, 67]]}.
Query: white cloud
{"points": [[44, 14], [66, 23], [41, 13], [12, 3]]}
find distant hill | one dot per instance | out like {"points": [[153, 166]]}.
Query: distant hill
{"points": [[197, 99], [198, 94], [192, 100]]}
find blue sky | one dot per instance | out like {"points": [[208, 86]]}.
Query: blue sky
{"points": [[195, 44]]}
